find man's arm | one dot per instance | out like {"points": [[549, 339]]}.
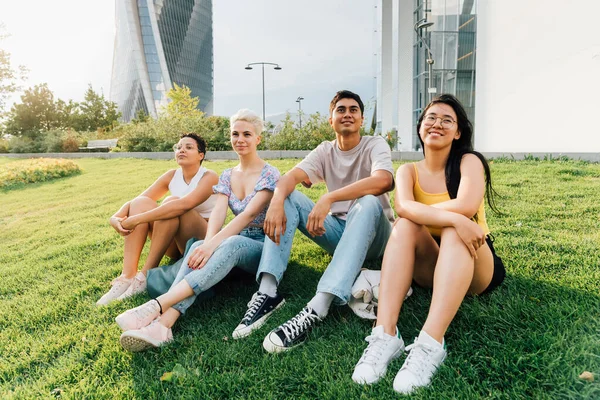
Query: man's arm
{"points": [[380, 182], [275, 219]]}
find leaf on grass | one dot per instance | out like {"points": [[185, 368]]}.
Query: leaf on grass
{"points": [[178, 373], [56, 392], [587, 376], [166, 377], [225, 338]]}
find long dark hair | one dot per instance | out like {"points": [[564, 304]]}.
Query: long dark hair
{"points": [[461, 146]]}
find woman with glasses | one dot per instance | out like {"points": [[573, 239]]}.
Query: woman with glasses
{"points": [[440, 240], [246, 190], [181, 216]]}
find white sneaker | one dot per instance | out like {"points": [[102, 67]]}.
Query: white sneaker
{"points": [[119, 285], [382, 349], [153, 335], [425, 357], [138, 285], [139, 317]]}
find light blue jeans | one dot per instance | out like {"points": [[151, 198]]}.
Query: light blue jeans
{"points": [[363, 235], [241, 251]]}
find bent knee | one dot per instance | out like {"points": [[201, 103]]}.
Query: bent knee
{"points": [[406, 225], [369, 201], [449, 233], [141, 204]]}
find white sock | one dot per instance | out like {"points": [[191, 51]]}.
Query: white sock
{"points": [[425, 338], [321, 303], [268, 284]]}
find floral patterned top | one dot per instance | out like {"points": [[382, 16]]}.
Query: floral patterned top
{"points": [[266, 181]]}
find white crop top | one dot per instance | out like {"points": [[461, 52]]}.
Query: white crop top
{"points": [[179, 188]]}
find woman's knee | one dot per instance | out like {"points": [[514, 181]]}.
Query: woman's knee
{"points": [[141, 204], [170, 198], [449, 234], [404, 226]]}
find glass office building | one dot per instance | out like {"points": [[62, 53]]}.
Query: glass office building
{"points": [[403, 72], [159, 43], [452, 42]]}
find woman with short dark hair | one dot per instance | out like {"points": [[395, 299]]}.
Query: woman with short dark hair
{"points": [[181, 216]]}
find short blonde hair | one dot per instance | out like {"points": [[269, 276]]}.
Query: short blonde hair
{"points": [[249, 116]]}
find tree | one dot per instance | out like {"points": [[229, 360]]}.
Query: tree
{"points": [[37, 112], [181, 104], [9, 75], [96, 112]]}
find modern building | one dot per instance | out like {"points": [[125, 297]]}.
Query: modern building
{"points": [[159, 43], [526, 71]]}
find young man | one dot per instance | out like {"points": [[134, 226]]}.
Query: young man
{"points": [[352, 221]]}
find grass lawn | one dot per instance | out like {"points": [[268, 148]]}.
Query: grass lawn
{"points": [[531, 338]]}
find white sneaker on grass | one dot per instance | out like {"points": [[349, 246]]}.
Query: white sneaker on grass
{"points": [[138, 285], [139, 317], [425, 357], [119, 285], [382, 349], [153, 335]]}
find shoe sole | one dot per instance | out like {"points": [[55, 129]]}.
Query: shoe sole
{"points": [[362, 381], [134, 342], [246, 331]]}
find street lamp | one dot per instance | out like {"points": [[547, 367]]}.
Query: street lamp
{"points": [[424, 24], [299, 101], [276, 67]]}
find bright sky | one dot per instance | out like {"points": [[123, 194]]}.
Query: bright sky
{"points": [[322, 46]]}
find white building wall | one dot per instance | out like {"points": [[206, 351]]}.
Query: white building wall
{"points": [[405, 74], [387, 89], [538, 76]]}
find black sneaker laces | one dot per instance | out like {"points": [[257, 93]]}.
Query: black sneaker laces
{"points": [[297, 325], [254, 305]]}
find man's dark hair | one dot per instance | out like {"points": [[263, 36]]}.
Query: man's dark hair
{"points": [[346, 94], [201, 142]]}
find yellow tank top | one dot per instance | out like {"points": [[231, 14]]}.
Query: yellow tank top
{"points": [[423, 197]]}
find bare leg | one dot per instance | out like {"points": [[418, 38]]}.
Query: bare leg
{"points": [[456, 272], [181, 291], [134, 242], [409, 244], [169, 236]]}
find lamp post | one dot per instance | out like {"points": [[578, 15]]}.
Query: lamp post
{"points": [[276, 67], [299, 101], [423, 24]]}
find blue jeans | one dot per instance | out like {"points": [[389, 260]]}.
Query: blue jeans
{"points": [[241, 251], [363, 235]]}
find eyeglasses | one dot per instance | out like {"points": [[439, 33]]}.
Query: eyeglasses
{"points": [[430, 120], [188, 147]]}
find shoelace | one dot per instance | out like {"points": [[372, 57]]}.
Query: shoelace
{"points": [[119, 280], [295, 326], [254, 305], [419, 359], [374, 350], [143, 311]]}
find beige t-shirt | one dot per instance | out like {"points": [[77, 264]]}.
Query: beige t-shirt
{"points": [[338, 169]]}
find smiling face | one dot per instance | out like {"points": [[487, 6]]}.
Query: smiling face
{"points": [[244, 139], [439, 127], [187, 153], [346, 117]]}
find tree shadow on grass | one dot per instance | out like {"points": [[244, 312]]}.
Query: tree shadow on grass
{"points": [[527, 339]]}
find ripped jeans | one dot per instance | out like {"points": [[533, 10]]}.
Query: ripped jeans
{"points": [[363, 235], [241, 251]]}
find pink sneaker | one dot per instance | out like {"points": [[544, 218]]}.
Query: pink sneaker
{"points": [[139, 317], [119, 285], [153, 335], [138, 285]]}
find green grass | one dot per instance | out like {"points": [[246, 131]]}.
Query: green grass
{"points": [[531, 338]]}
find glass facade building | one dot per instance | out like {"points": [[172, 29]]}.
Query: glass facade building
{"points": [[452, 40], [159, 43]]}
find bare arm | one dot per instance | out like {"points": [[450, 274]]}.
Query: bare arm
{"points": [[275, 220], [471, 189], [177, 207], [217, 216], [202, 253], [406, 207], [154, 191], [378, 183]]}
